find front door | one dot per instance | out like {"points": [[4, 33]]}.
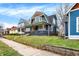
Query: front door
{"points": [[36, 28]]}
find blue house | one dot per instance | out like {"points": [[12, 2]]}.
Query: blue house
{"points": [[72, 23]]}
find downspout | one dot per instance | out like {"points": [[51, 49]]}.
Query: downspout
{"points": [[55, 25]]}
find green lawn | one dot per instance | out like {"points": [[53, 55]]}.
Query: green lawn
{"points": [[37, 41], [7, 51]]}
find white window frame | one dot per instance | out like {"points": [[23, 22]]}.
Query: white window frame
{"points": [[37, 17], [54, 22], [77, 24]]}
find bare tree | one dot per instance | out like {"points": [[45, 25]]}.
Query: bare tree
{"points": [[23, 23], [63, 8]]}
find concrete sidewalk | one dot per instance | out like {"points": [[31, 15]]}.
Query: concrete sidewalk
{"points": [[27, 50]]}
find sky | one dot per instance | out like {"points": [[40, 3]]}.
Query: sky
{"points": [[10, 13]]}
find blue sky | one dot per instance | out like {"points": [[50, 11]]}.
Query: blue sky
{"points": [[10, 13]]}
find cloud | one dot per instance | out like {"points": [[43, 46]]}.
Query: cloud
{"points": [[7, 25], [24, 12], [19, 12]]}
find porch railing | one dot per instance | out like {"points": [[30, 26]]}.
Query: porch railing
{"points": [[42, 32]]}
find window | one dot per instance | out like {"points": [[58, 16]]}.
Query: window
{"points": [[77, 24], [43, 19], [54, 21], [38, 19], [27, 29]]}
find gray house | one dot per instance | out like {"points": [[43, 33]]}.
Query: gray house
{"points": [[43, 24], [52, 19]]}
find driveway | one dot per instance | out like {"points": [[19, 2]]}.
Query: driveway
{"points": [[27, 50]]}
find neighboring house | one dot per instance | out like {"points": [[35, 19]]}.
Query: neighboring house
{"points": [[24, 26], [42, 24], [28, 26], [21, 28], [13, 30], [7, 31], [52, 19], [72, 23]]}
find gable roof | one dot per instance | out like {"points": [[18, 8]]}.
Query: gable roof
{"points": [[73, 7], [37, 13], [13, 28], [50, 18]]}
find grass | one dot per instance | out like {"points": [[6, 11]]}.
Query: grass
{"points": [[37, 41], [7, 51]]}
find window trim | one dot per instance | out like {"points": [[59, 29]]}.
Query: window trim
{"points": [[77, 23], [37, 17]]}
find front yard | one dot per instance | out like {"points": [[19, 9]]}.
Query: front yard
{"points": [[7, 51], [38, 41]]}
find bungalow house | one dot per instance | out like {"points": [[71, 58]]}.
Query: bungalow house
{"points": [[12, 30], [43, 24], [72, 23]]}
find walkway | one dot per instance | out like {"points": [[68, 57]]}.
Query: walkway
{"points": [[26, 50]]}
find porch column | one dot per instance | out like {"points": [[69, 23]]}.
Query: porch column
{"points": [[33, 28], [20, 30], [48, 30], [43, 27]]}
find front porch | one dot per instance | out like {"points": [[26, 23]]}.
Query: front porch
{"points": [[44, 29], [39, 27]]}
